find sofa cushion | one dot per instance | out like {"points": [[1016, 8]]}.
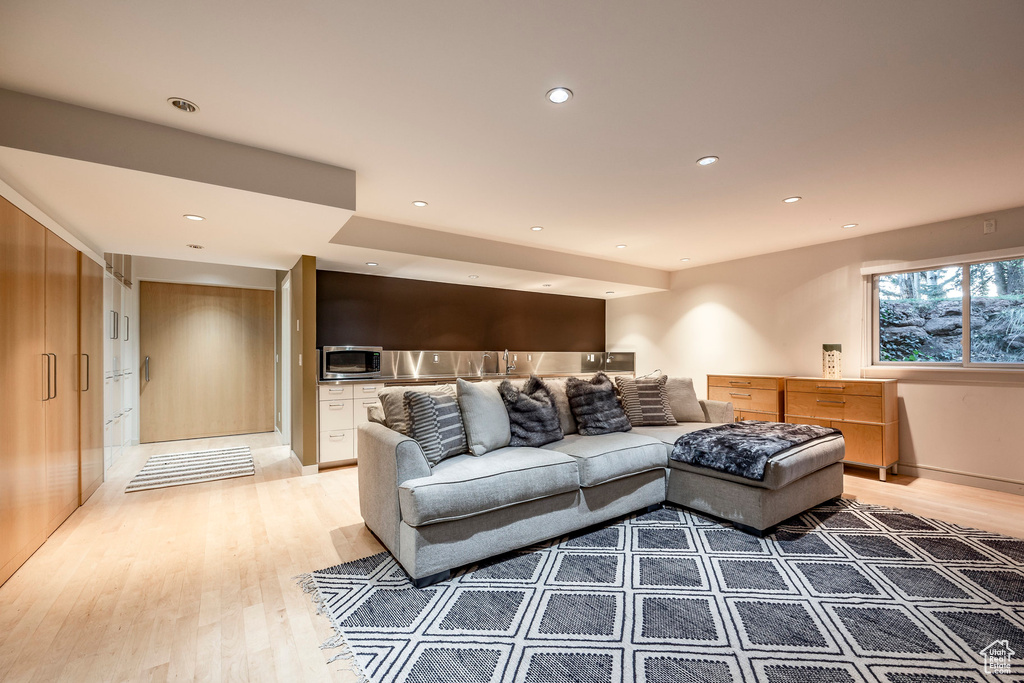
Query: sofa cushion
{"points": [[683, 400], [557, 387], [667, 434], [466, 486], [786, 467], [532, 414], [436, 424], [484, 415], [595, 406], [645, 400], [396, 413], [611, 456]]}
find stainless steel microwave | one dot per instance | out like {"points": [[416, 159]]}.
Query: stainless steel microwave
{"points": [[349, 362]]}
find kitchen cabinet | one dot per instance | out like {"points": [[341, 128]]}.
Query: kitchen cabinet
{"points": [[341, 409]]}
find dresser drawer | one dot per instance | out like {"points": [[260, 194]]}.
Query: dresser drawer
{"points": [[335, 391], [752, 415], [835, 406], [828, 386], [739, 382], [337, 445], [863, 443], [336, 414], [743, 398]]}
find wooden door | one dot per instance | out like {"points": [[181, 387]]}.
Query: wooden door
{"points": [[23, 379], [62, 433], [210, 357], [90, 338]]}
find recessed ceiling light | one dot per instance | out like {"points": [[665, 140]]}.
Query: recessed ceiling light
{"points": [[372, 263], [684, 259], [850, 225], [790, 200], [707, 161], [193, 217], [473, 277], [620, 246], [195, 246], [419, 202], [546, 285], [559, 95], [537, 228], [609, 292], [183, 104]]}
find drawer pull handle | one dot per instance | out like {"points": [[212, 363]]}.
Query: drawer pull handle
{"points": [[335, 437], [334, 391], [368, 389], [825, 386], [821, 400], [733, 393], [738, 382], [369, 403], [335, 406]]}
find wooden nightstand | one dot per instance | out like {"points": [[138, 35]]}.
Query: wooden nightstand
{"points": [[864, 410], [754, 397]]}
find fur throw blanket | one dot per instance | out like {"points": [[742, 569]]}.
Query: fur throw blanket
{"points": [[532, 414], [595, 406], [743, 448]]}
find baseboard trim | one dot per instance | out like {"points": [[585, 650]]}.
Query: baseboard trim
{"points": [[981, 481], [304, 469]]}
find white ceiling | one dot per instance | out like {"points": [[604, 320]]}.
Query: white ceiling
{"points": [[886, 114]]}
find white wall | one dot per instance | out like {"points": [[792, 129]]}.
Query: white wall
{"points": [[770, 315], [196, 273]]}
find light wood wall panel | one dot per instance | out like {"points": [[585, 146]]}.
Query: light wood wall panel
{"points": [[211, 361], [23, 498]]}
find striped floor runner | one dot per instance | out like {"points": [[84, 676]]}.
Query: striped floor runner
{"points": [[190, 468]]}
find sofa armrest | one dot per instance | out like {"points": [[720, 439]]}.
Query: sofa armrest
{"points": [[386, 459], [717, 411]]}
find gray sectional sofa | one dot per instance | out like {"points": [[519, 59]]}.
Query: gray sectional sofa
{"points": [[468, 507]]}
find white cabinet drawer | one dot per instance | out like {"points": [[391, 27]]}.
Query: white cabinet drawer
{"points": [[367, 389], [336, 414], [337, 445], [335, 391], [359, 408]]}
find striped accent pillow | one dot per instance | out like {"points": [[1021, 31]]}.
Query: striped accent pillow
{"points": [[435, 422], [645, 400]]}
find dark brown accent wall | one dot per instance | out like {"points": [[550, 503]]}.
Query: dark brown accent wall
{"points": [[404, 315]]}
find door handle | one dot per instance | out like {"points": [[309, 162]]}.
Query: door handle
{"points": [[54, 356], [147, 368], [46, 390], [88, 382], [127, 328]]}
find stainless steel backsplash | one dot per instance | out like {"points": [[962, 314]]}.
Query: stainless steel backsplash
{"points": [[426, 364]]}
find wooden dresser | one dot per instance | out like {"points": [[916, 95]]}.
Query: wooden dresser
{"points": [[754, 397], [864, 410]]}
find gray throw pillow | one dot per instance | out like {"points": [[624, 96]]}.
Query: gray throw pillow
{"points": [[436, 424], [683, 400], [595, 405], [396, 413], [533, 417], [485, 417], [557, 387], [645, 400]]}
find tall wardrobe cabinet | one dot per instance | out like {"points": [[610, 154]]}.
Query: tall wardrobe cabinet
{"points": [[43, 316]]}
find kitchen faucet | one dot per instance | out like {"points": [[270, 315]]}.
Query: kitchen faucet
{"points": [[509, 366]]}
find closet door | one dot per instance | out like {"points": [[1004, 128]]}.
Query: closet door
{"points": [[91, 383], [23, 498], [62, 407]]}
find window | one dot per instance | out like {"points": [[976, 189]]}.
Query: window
{"points": [[920, 315]]}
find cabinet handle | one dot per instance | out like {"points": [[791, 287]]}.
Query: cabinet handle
{"points": [[46, 387], [334, 391], [732, 393], [127, 328], [54, 374], [369, 403], [147, 368], [821, 400], [335, 406], [88, 383], [113, 324], [825, 386], [369, 389], [738, 382], [335, 437]]}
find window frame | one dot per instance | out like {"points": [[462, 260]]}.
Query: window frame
{"points": [[873, 274]]}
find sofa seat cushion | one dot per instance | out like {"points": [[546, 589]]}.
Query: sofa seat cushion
{"points": [[611, 456], [466, 485], [786, 467], [667, 434]]}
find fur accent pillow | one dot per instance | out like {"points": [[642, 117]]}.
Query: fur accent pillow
{"points": [[595, 406], [645, 400], [435, 422], [532, 413]]}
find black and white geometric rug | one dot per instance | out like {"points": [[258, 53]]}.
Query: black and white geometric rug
{"points": [[844, 593], [175, 469]]}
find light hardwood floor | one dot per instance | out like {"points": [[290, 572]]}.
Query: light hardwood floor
{"points": [[196, 582]]}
